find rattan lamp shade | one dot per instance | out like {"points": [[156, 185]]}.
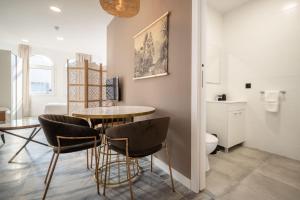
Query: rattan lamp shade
{"points": [[121, 8]]}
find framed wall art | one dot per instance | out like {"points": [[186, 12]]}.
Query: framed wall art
{"points": [[151, 49]]}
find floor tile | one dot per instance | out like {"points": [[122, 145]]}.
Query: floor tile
{"points": [[282, 169], [245, 173], [23, 179], [218, 183]]}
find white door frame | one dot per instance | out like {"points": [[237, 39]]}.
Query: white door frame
{"points": [[198, 112]]}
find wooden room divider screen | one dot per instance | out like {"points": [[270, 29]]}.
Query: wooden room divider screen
{"points": [[85, 85]]}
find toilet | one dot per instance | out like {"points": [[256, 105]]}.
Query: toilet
{"points": [[211, 144]]}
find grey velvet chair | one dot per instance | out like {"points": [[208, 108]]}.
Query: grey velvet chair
{"points": [[66, 135], [136, 140]]}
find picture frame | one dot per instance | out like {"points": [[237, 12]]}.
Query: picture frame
{"points": [[151, 47]]}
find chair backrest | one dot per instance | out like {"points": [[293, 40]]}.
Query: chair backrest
{"points": [[142, 135], [60, 125]]}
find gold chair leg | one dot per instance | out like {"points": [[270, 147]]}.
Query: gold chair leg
{"points": [[151, 163], [170, 168], [87, 159], [92, 155], [105, 176], [50, 177], [99, 160], [99, 153], [118, 161], [103, 159], [103, 142], [137, 165], [133, 166], [96, 169], [109, 165], [50, 165], [128, 161]]}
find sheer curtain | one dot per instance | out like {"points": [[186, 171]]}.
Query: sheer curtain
{"points": [[24, 53]]}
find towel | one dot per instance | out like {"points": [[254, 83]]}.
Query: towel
{"points": [[272, 100]]}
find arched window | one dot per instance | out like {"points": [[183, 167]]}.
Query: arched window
{"points": [[41, 75]]}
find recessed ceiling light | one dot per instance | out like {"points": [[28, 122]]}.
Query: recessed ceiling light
{"points": [[60, 38], [25, 40], [55, 9]]}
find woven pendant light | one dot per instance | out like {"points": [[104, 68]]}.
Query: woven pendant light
{"points": [[121, 8]]}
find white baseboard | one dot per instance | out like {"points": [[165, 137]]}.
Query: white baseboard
{"points": [[176, 175]]}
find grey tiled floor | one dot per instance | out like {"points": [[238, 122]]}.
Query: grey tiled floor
{"points": [[242, 174], [23, 179], [249, 174]]}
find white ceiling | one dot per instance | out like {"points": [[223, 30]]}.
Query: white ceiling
{"points": [[82, 24], [224, 6]]}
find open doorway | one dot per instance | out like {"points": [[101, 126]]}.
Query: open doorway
{"points": [[251, 103]]}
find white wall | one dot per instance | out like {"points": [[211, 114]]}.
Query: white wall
{"points": [[59, 59], [5, 77], [82, 24], [60, 80], [215, 40], [262, 43]]}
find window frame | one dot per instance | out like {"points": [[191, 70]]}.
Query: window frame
{"points": [[44, 67]]}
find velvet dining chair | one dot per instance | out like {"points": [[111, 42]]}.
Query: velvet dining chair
{"points": [[137, 140], [67, 135]]}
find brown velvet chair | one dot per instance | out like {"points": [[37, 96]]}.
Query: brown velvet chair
{"points": [[137, 140], [66, 135]]}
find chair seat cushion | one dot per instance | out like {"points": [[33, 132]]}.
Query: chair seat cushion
{"points": [[77, 147], [137, 154]]}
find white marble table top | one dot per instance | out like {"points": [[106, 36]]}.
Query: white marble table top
{"points": [[23, 123], [114, 112]]}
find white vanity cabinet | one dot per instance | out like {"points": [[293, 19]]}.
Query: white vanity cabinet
{"points": [[226, 119]]}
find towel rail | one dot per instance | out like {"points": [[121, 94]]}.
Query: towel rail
{"points": [[282, 92]]}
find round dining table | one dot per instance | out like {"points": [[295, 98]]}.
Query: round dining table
{"points": [[113, 112]]}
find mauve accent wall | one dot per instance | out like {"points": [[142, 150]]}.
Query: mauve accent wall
{"points": [[171, 94]]}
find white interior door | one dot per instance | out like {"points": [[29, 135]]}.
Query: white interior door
{"points": [[198, 125]]}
